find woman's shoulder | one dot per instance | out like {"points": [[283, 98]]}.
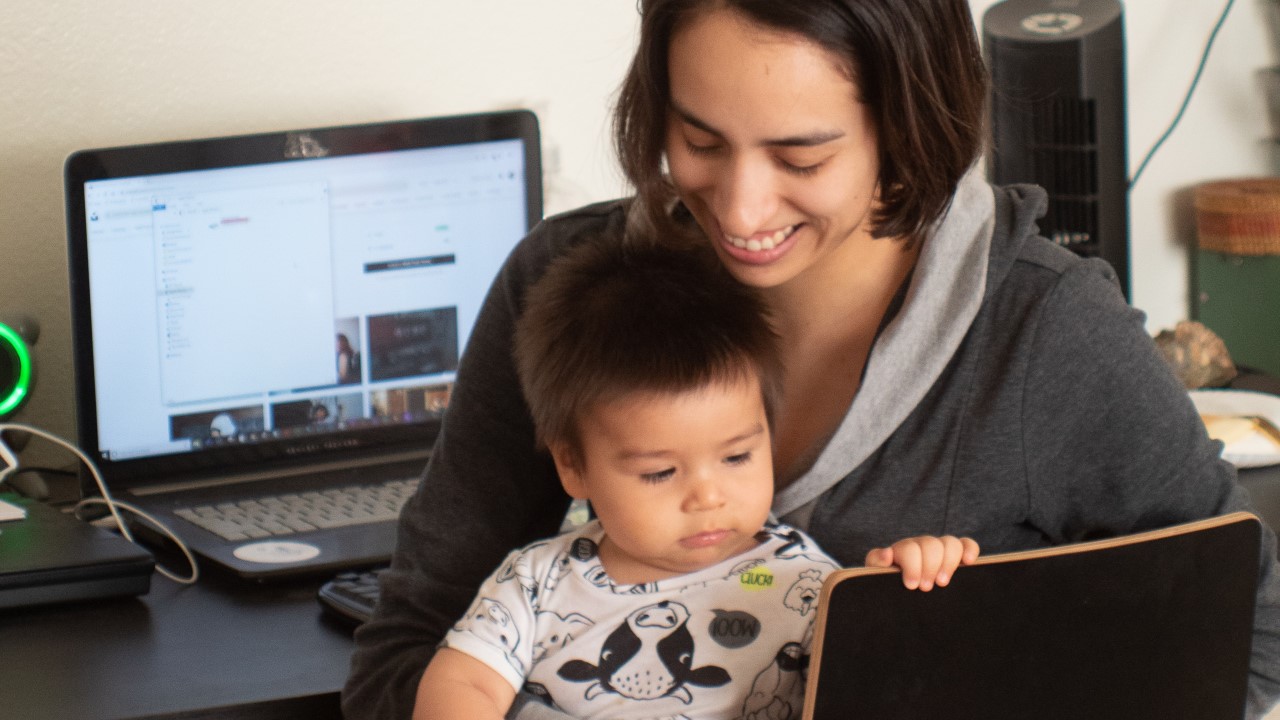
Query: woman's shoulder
{"points": [[605, 219], [1025, 264], [553, 236], [586, 213]]}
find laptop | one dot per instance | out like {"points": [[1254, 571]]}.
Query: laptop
{"points": [[49, 556], [278, 318]]}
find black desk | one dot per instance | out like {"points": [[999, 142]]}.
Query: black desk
{"points": [[1263, 484], [228, 649], [214, 650]]}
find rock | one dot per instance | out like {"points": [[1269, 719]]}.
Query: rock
{"points": [[1197, 355]]}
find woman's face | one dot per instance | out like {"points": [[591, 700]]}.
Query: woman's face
{"points": [[769, 148]]}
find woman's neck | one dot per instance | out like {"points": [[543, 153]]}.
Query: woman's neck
{"points": [[827, 320], [845, 298]]}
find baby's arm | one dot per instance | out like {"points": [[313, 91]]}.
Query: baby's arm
{"points": [[457, 685], [926, 560]]}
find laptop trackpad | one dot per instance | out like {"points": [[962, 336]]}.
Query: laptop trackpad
{"points": [[276, 552]]}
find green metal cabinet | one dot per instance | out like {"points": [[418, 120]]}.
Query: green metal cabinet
{"points": [[1238, 297]]}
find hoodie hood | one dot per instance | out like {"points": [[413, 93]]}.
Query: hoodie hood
{"points": [[959, 265]]}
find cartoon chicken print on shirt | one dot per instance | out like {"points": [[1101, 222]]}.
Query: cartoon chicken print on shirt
{"points": [[649, 656]]}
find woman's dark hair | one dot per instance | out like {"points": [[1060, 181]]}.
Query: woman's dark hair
{"points": [[918, 67], [609, 319]]}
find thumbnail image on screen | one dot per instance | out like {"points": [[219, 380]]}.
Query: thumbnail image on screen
{"points": [[422, 342]]}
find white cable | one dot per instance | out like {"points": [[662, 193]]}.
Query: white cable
{"points": [[191, 560], [111, 504]]}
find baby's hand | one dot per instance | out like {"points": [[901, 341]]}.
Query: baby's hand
{"points": [[926, 560]]}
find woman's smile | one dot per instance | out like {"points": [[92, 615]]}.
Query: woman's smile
{"points": [[761, 248]]}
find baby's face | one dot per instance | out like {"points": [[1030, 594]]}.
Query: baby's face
{"points": [[679, 481]]}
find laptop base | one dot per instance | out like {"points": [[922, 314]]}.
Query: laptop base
{"points": [[51, 557]]}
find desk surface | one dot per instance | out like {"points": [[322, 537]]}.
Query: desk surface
{"points": [[218, 650], [1263, 484], [215, 650], [221, 649]]}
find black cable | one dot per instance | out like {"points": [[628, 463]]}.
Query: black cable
{"points": [[1204, 58]]}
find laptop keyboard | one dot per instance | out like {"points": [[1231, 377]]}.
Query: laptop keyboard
{"points": [[292, 513]]}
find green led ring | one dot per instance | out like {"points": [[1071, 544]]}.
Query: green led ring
{"points": [[10, 402]]}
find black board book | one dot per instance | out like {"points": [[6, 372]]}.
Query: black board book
{"points": [[1154, 625]]}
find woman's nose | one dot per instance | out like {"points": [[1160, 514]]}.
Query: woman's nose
{"points": [[746, 199]]}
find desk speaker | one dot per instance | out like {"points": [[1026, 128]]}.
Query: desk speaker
{"points": [[17, 367], [1058, 118]]}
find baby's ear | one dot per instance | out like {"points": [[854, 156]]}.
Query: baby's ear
{"points": [[567, 465]]}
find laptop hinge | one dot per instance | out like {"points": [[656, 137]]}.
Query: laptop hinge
{"points": [[264, 475]]}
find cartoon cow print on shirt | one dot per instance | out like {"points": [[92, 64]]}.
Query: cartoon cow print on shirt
{"points": [[559, 569], [517, 568], [796, 547], [649, 656], [555, 631], [802, 596], [778, 690], [541, 693], [597, 576], [490, 621]]}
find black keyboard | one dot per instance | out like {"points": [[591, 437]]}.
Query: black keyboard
{"points": [[351, 595]]}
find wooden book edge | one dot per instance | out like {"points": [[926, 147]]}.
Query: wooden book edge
{"points": [[838, 576]]}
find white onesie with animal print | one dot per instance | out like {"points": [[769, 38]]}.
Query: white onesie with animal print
{"points": [[728, 641]]}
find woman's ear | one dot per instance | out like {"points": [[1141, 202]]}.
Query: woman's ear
{"points": [[568, 469]]}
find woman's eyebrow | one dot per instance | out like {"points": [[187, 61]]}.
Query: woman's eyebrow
{"points": [[809, 140]]}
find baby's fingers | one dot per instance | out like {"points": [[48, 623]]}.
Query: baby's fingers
{"points": [[880, 557], [956, 552], [910, 557]]}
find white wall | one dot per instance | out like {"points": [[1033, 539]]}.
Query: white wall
{"points": [[79, 73], [76, 74], [1223, 133]]}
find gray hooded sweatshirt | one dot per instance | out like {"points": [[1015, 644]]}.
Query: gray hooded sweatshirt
{"points": [[1013, 397]]}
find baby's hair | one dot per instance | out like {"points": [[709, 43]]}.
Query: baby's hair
{"points": [[612, 318]]}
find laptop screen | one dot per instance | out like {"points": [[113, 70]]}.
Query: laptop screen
{"points": [[241, 300]]}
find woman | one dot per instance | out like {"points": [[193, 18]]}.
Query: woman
{"points": [[348, 361], [948, 372]]}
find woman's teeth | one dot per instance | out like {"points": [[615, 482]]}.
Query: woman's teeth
{"points": [[768, 242]]}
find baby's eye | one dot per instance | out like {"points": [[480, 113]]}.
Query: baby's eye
{"points": [[739, 459], [659, 476]]}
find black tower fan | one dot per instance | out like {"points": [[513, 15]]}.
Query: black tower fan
{"points": [[1058, 117]]}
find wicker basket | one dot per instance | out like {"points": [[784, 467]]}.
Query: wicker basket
{"points": [[1239, 217]]}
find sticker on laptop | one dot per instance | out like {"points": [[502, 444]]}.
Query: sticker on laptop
{"points": [[276, 552]]}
